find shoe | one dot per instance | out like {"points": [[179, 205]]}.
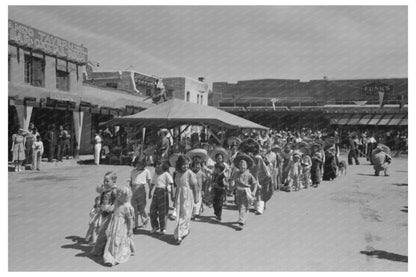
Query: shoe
{"points": [[145, 222], [154, 231], [163, 232], [178, 241], [193, 218], [218, 218]]}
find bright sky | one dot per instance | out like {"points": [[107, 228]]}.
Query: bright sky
{"points": [[234, 43]]}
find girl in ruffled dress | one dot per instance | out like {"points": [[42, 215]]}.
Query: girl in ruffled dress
{"points": [[120, 245]]}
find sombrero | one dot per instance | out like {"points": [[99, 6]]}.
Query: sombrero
{"points": [[198, 152], [297, 153], [233, 141], [244, 157], [277, 147], [250, 145], [319, 146], [219, 150], [305, 150], [173, 158], [330, 140], [384, 148], [301, 144]]}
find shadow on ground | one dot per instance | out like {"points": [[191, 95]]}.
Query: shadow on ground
{"points": [[169, 239], [80, 244], [400, 185], [211, 220], [380, 254]]}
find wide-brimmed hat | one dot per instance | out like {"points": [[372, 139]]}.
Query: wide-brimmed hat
{"points": [[219, 150], [305, 150], [198, 152], [297, 153], [173, 158], [244, 157], [250, 145], [233, 141], [277, 147], [319, 146]]}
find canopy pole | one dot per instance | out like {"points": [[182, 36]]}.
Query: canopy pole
{"points": [[181, 132], [143, 137], [212, 134]]}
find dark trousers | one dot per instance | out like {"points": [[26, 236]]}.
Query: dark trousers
{"points": [[63, 149], [218, 198], [51, 151], [159, 208], [353, 155]]}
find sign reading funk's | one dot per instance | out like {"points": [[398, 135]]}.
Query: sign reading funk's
{"points": [[376, 87], [29, 37]]}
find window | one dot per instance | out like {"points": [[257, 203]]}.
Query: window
{"points": [[148, 92], [202, 101], [188, 95], [34, 71], [197, 99], [62, 80], [111, 85]]}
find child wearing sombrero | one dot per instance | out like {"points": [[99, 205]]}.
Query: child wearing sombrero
{"points": [[245, 185], [295, 172]]}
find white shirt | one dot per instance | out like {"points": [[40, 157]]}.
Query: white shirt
{"points": [[162, 180], [139, 177]]}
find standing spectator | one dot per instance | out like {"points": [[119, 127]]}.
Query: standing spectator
{"points": [[37, 153], [30, 138], [97, 148], [67, 144], [61, 143], [51, 142], [353, 150], [18, 149]]}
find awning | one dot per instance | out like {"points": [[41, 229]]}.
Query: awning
{"points": [[354, 119], [404, 122], [376, 118], [397, 119], [365, 119], [341, 120], [386, 119]]}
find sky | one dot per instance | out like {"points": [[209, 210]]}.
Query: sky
{"points": [[231, 43]]}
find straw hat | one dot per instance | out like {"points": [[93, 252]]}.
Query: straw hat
{"points": [[244, 157], [233, 141], [277, 147], [198, 152], [219, 150], [250, 145]]}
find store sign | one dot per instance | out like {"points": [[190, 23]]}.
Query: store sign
{"points": [[143, 80], [375, 88], [32, 38], [63, 97]]}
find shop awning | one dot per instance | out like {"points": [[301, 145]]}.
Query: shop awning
{"points": [[376, 118], [385, 120], [370, 119]]}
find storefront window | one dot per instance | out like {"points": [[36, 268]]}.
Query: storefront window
{"points": [[34, 71], [62, 80]]}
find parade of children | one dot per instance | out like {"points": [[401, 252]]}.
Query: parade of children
{"points": [[187, 186]]}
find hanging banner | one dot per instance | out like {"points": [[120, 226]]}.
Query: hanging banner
{"points": [[32, 38]]}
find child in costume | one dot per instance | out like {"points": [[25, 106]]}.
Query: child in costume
{"points": [[306, 163], [245, 185], [106, 208], [219, 186], [201, 178], [316, 169], [120, 246], [295, 171]]}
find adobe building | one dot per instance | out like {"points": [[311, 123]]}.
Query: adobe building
{"points": [[187, 89], [45, 74], [281, 103]]}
